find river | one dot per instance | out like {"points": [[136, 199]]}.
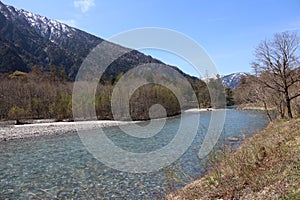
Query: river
{"points": [[59, 166]]}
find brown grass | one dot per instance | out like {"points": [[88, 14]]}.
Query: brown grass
{"points": [[266, 166]]}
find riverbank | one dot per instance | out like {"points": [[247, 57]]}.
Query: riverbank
{"points": [[252, 107], [11, 132], [33, 128], [266, 166]]}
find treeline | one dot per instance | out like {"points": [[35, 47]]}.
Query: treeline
{"points": [[37, 94], [276, 82], [140, 102]]}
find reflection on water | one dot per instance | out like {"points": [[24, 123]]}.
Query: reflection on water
{"points": [[59, 166]]}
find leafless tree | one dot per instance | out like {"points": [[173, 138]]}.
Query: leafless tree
{"points": [[277, 60], [250, 90]]}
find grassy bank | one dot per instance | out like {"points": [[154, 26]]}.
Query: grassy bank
{"points": [[266, 166], [252, 106]]}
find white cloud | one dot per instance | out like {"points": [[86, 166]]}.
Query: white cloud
{"points": [[84, 5]]}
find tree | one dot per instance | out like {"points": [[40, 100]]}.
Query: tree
{"points": [[16, 113], [277, 61], [62, 107], [217, 92], [37, 106], [229, 97], [250, 90], [53, 73]]}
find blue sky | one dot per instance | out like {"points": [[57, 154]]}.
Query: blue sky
{"points": [[228, 30]]}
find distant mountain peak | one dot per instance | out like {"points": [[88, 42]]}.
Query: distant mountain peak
{"points": [[232, 80]]}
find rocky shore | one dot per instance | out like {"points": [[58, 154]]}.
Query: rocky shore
{"points": [[32, 128], [11, 132]]}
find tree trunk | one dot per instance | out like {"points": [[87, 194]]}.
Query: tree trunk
{"points": [[281, 109], [267, 111], [288, 106]]}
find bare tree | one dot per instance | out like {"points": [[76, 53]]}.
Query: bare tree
{"points": [[277, 60], [250, 90]]}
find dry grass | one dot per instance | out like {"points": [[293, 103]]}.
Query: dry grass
{"points": [[266, 166], [254, 106]]}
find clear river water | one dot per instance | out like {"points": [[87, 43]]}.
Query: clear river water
{"points": [[60, 167]]}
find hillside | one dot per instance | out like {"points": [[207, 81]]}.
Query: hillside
{"points": [[266, 166], [28, 39], [38, 54]]}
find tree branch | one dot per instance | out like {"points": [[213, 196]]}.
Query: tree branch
{"points": [[295, 96]]}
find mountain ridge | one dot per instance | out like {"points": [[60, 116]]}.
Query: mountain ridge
{"points": [[232, 80], [28, 39]]}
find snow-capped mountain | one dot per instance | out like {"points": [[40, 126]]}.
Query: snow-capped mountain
{"points": [[28, 39], [229, 81], [47, 28], [232, 80]]}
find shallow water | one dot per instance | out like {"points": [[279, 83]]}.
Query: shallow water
{"points": [[59, 166]]}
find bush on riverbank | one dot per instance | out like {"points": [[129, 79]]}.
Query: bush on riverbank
{"points": [[266, 166]]}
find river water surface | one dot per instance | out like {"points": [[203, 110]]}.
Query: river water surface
{"points": [[59, 166]]}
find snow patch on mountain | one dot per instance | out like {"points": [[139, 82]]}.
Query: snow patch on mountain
{"points": [[229, 81], [48, 28], [232, 80]]}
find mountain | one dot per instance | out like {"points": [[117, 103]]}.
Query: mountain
{"points": [[232, 80], [28, 39]]}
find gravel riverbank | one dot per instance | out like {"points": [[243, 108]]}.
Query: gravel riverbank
{"points": [[10, 132]]}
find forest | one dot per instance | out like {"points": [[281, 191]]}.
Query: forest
{"points": [[48, 95]]}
